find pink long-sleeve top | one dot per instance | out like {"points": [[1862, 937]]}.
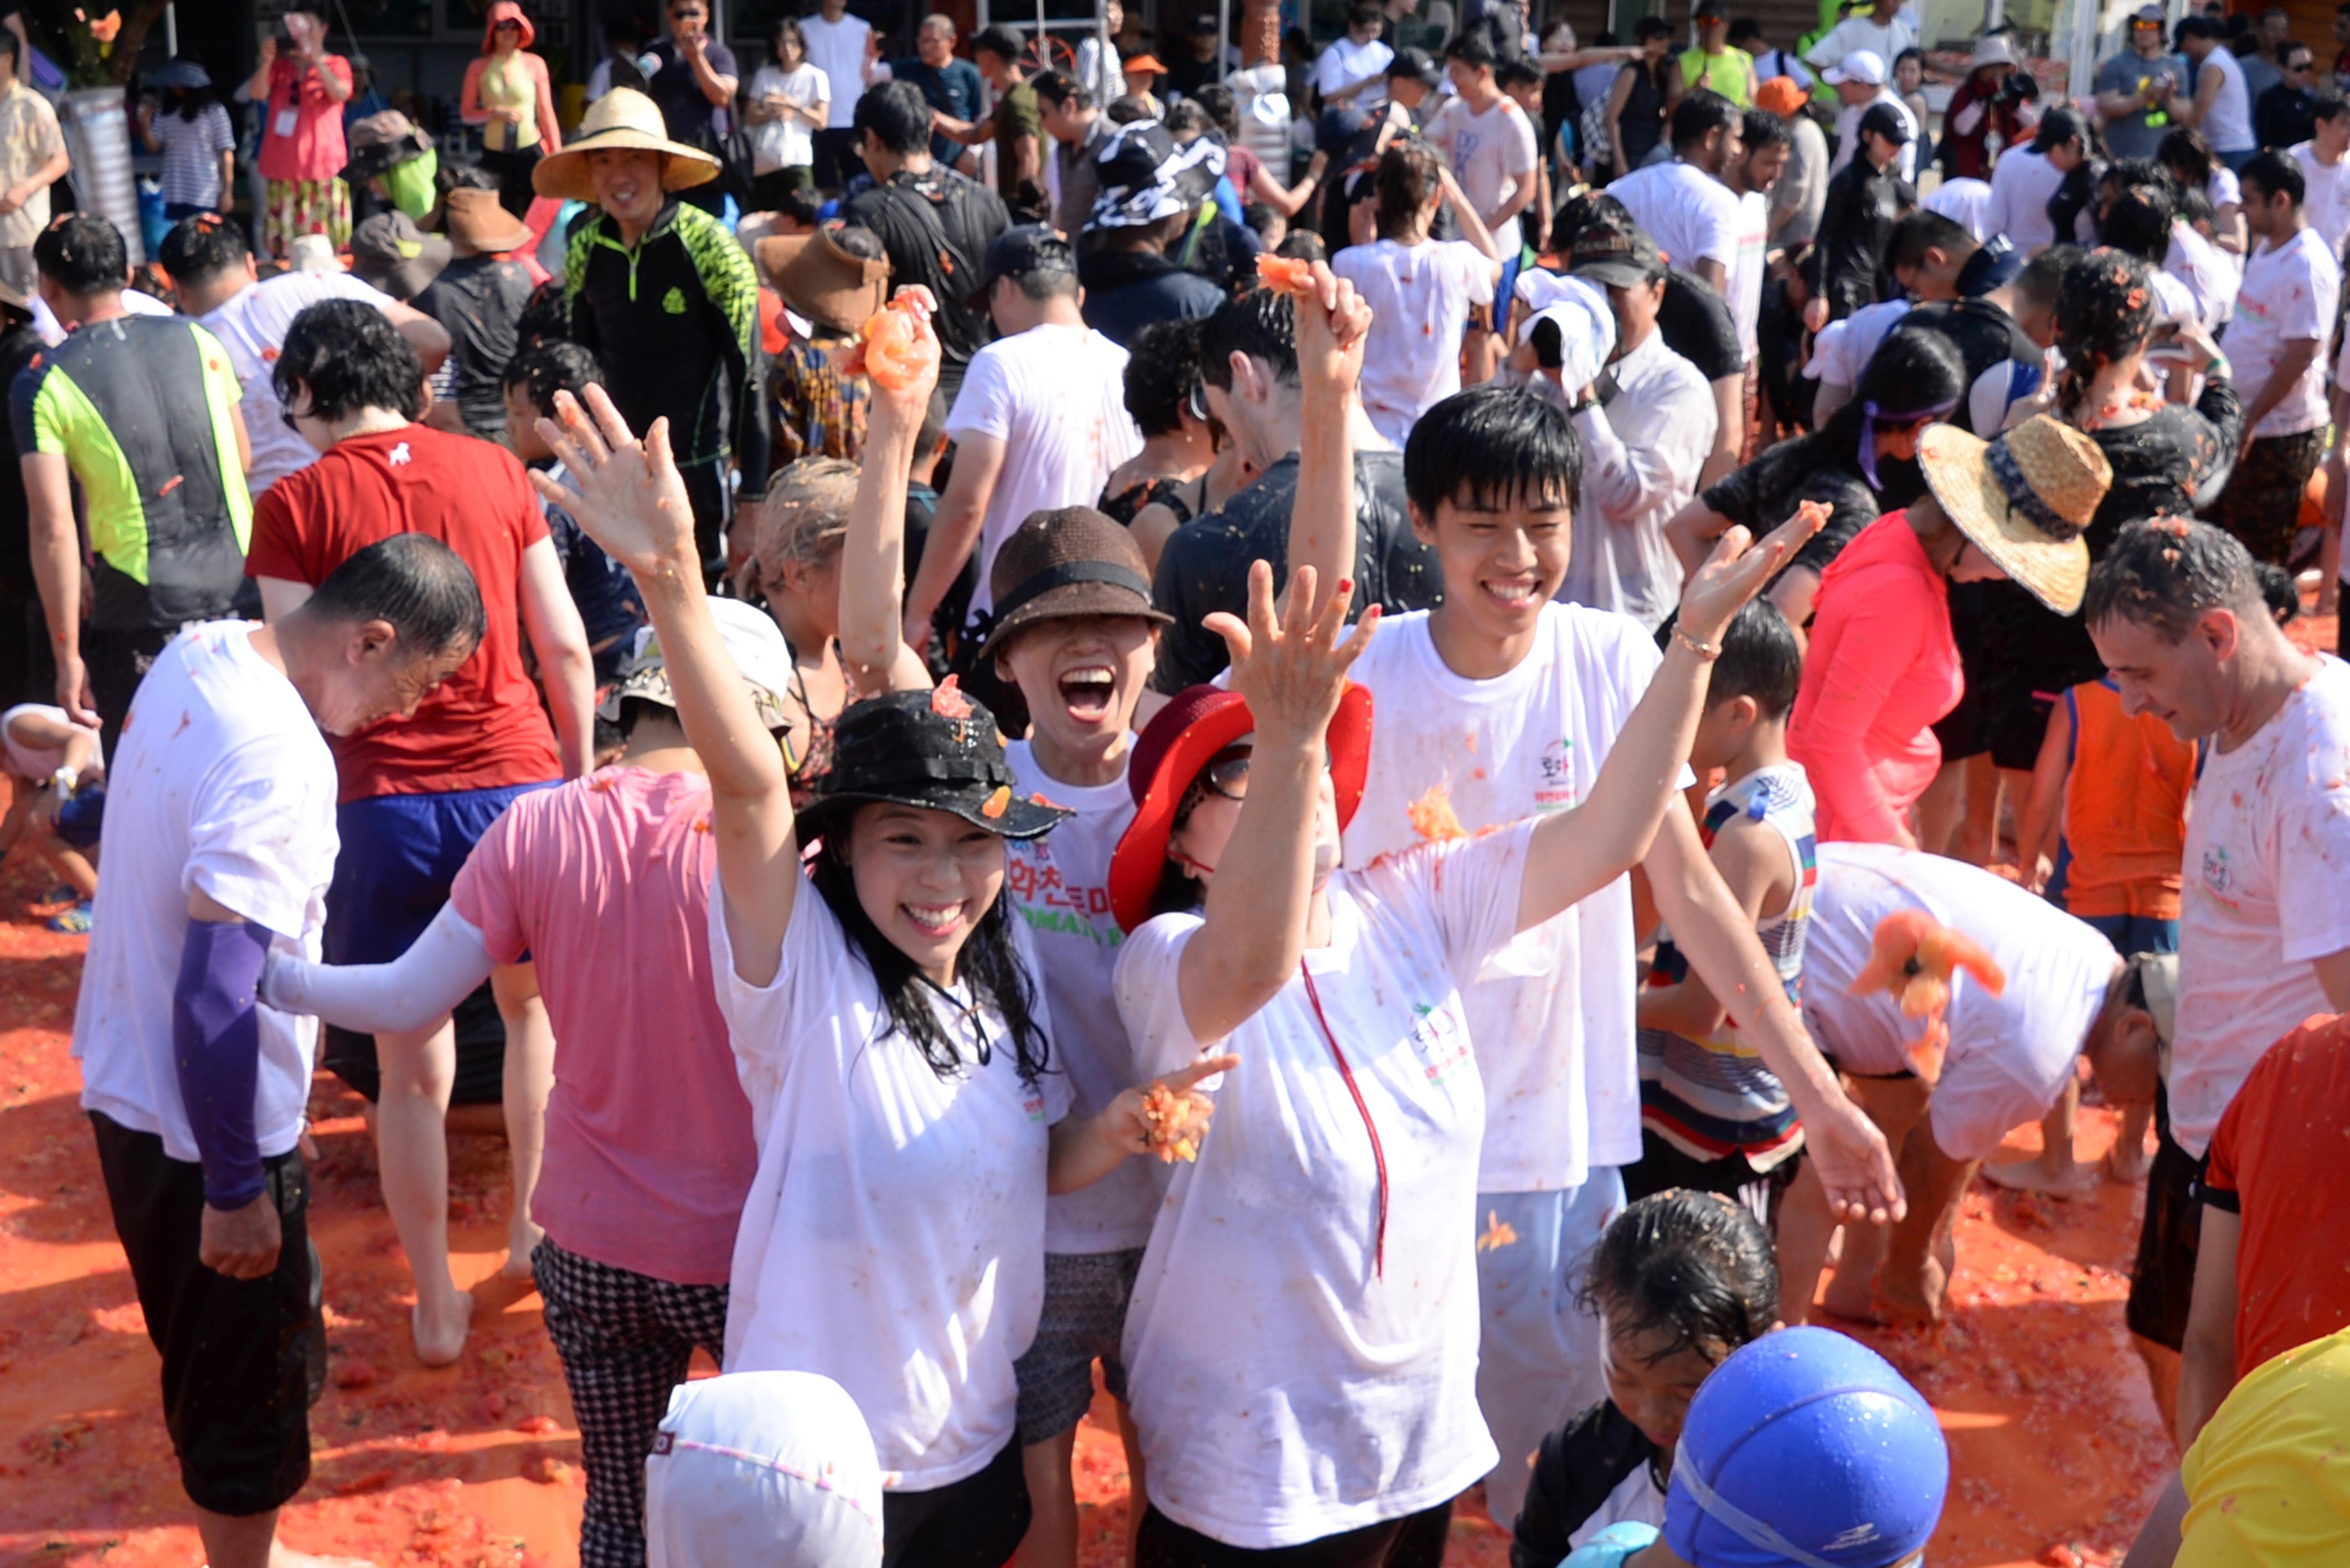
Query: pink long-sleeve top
{"points": [[1881, 669]]}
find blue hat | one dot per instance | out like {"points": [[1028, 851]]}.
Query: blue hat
{"points": [[1807, 1450]]}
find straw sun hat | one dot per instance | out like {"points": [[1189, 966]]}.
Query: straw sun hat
{"points": [[622, 119], [2025, 500]]}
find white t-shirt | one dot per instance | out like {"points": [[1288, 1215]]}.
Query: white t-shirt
{"points": [[2224, 189], [1845, 347], [1419, 298], [1966, 203], [220, 783], [1055, 396], [1288, 1385], [2209, 272], [1346, 62], [1746, 275], [1060, 885], [1691, 215], [894, 1238], [839, 49], [37, 763], [251, 328], [2267, 834], [2010, 1054], [787, 143], [1519, 746], [2021, 184], [2227, 126], [1490, 153], [1642, 453], [1885, 40], [2288, 292], [2325, 201]]}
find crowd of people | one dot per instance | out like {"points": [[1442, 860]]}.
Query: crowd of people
{"points": [[1768, 685]]}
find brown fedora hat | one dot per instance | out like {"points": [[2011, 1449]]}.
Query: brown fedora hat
{"points": [[838, 291], [475, 219], [1071, 561]]}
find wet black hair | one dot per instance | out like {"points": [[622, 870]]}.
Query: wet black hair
{"points": [[2042, 277], [1912, 369], [2186, 155], [2106, 310], [2137, 220], [544, 370], [200, 249], [1760, 658], [1260, 324], [1694, 1269], [545, 315], [1762, 131], [1061, 88], [351, 356], [1471, 49], [1223, 110], [1698, 115], [989, 964], [1000, 42], [2279, 589], [2164, 574], [803, 204], [1300, 244], [83, 254], [897, 115], [1922, 231], [2276, 175], [413, 582], [1162, 368], [1491, 445]]}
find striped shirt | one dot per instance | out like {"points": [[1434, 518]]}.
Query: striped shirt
{"points": [[1713, 1098], [192, 149]]}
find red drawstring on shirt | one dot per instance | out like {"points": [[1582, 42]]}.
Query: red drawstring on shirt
{"points": [[1378, 1155]]}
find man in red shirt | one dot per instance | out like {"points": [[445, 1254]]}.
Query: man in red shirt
{"points": [[2270, 1274], [415, 796]]}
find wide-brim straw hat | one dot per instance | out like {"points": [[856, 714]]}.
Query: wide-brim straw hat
{"points": [[623, 119], [811, 272], [2025, 500], [477, 218]]}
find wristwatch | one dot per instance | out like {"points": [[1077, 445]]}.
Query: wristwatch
{"points": [[65, 781]]}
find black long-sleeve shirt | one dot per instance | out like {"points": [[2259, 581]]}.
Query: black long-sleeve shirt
{"points": [[1597, 1469], [1862, 204]]}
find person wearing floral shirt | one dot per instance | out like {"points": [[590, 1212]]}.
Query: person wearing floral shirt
{"points": [[302, 148], [32, 156]]}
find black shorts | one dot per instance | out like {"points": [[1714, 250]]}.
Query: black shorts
{"points": [[835, 158], [2162, 1279], [975, 1522], [1663, 1167], [1415, 1540], [244, 1360], [2015, 720], [1960, 731]]}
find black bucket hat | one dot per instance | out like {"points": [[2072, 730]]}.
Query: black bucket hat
{"points": [[937, 750]]}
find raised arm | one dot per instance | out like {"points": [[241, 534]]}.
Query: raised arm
{"points": [[873, 557], [628, 497], [1262, 894], [1576, 853], [1333, 324]]}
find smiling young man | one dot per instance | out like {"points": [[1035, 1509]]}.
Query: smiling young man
{"points": [[1501, 703], [2176, 611]]}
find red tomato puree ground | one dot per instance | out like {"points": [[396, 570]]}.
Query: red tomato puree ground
{"points": [[2056, 1445]]}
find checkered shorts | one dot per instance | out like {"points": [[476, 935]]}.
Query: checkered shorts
{"points": [[1084, 1317], [625, 1339]]}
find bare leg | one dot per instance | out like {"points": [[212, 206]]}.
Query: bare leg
{"points": [[1941, 806], [2127, 1161], [1977, 835], [2051, 1170], [2162, 1375], [412, 1149], [1484, 355], [2014, 789], [529, 1075], [1806, 1228], [1131, 1436], [250, 1540], [1052, 1537], [69, 863], [1895, 1106]]}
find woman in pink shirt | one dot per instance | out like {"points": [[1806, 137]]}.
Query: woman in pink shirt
{"points": [[1882, 666], [302, 150]]}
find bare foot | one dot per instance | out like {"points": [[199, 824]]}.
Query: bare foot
{"points": [[522, 1240], [2033, 1175], [2128, 1166], [441, 1341], [1856, 1301]]}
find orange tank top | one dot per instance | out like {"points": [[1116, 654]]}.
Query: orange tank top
{"points": [[2125, 808]]}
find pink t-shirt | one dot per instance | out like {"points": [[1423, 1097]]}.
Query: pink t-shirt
{"points": [[605, 882], [302, 137], [1881, 669]]}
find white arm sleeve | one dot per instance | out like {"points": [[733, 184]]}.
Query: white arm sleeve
{"points": [[440, 970]]}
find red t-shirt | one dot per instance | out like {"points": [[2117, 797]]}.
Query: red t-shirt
{"points": [[2276, 1160], [483, 728]]}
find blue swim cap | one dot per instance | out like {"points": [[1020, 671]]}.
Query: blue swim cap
{"points": [[1805, 1449]]}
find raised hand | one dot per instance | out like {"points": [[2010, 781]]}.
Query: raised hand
{"points": [[625, 492], [1293, 675], [1734, 574], [1333, 323]]}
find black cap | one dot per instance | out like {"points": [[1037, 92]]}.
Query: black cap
{"points": [[2057, 127], [1416, 64], [1022, 251], [937, 750], [1616, 254], [1887, 122], [1204, 26]]}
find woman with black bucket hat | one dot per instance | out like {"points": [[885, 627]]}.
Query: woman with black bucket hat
{"points": [[890, 1033]]}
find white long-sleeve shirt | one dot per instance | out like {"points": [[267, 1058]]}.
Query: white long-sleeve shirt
{"points": [[1642, 453]]}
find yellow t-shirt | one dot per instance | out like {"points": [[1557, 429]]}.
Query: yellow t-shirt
{"points": [[2268, 1482], [1727, 73], [509, 84]]}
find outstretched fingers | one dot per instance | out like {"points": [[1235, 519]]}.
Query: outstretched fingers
{"points": [[1183, 1080]]}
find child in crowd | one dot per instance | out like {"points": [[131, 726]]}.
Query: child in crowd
{"points": [[1680, 1279], [56, 779], [834, 279], [1713, 1117]]}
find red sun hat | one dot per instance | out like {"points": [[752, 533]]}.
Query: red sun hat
{"points": [[1182, 739]]}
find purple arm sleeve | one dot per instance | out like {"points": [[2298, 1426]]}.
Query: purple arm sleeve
{"points": [[216, 1042]]}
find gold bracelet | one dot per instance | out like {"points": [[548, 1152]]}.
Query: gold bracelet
{"points": [[1709, 651]]}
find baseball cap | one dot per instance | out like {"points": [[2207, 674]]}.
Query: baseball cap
{"points": [[2148, 17], [1416, 64], [1782, 96], [752, 640], [1616, 255], [1863, 66], [1887, 122], [392, 254], [1020, 251]]}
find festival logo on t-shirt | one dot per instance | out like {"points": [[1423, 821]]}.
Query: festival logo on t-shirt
{"points": [[1032, 1102], [2218, 876], [1442, 1041], [1554, 775], [1050, 902]]}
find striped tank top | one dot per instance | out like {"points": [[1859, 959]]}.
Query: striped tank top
{"points": [[1713, 1098]]}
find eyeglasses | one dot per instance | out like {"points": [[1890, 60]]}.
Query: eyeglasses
{"points": [[1227, 773]]}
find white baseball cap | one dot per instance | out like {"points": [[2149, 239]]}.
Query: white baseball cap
{"points": [[769, 1467], [751, 637], [1862, 66]]}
